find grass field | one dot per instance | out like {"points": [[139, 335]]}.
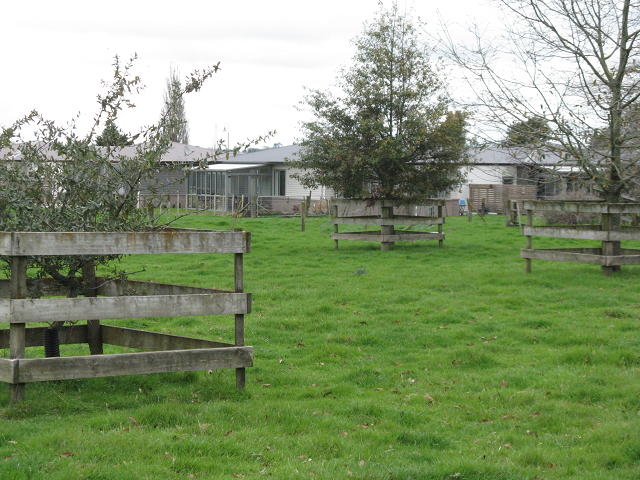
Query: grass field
{"points": [[416, 363]]}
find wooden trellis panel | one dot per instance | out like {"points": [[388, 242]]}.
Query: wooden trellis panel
{"points": [[494, 196]]}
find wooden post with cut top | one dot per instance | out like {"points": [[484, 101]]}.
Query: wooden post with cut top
{"points": [[440, 227], [303, 215], [334, 214]]}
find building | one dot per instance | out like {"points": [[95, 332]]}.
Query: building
{"points": [[226, 184], [194, 177], [223, 184]]}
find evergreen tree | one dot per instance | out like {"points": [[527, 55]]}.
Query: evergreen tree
{"points": [[111, 136], [391, 133], [527, 132], [174, 119]]}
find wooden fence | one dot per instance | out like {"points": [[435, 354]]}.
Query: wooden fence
{"points": [[358, 212], [115, 299], [610, 255], [494, 196]]}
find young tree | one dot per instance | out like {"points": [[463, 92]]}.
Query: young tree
{"points": [[391, 133], [569, 64], [526, 133], [63, 181], [173, 117], [111, 136]]}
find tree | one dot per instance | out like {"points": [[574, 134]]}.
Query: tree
{"points": [[526, 133], [571, 64], [391, 133], [174, 119], [111, 136], [63, 181]]}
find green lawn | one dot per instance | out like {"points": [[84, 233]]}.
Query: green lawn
{"points": [[416, 363]]}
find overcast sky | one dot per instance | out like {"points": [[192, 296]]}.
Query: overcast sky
{"points": [[57, 53]]}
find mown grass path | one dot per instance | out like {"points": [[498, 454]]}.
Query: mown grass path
{"points": [[416, 363]]}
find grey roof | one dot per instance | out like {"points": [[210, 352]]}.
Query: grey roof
{"points": [[272, 155], [176, 154], [513, 156], [180, 153]]}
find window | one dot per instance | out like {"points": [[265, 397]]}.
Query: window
{"points": [[279, 179]]}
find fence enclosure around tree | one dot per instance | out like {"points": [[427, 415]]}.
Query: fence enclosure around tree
{"points": [[610, 255], [387, 214], [117, 299]]}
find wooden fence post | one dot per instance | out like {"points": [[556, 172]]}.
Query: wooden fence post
{"points": [[303, 215], [239, 317], [254, 206], [334, 214], [608, 248], [469, 212], [386, 213], [529, 240], [440, 242], [17, 331], [506, 204], [94, 333]]}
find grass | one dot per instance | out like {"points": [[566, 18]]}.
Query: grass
{"points": [[416, 363]]}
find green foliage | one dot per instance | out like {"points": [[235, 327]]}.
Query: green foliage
{"points": [[174, 121], [391, 133], [471, 371], [528, 132], [111, 136], [63, 181]]}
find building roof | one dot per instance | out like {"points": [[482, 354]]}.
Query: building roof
{"points": [[181, 153], [271, 155], [513, 156], [178, 154]]}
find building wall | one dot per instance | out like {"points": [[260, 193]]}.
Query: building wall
{"points": [[169, 187], [294, 189], [167, 181], [485, 174]]}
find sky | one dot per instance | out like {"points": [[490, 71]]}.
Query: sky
{"points": [[57, 53]]}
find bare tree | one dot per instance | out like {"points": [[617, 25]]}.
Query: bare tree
{"points": [[567, 64]]}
